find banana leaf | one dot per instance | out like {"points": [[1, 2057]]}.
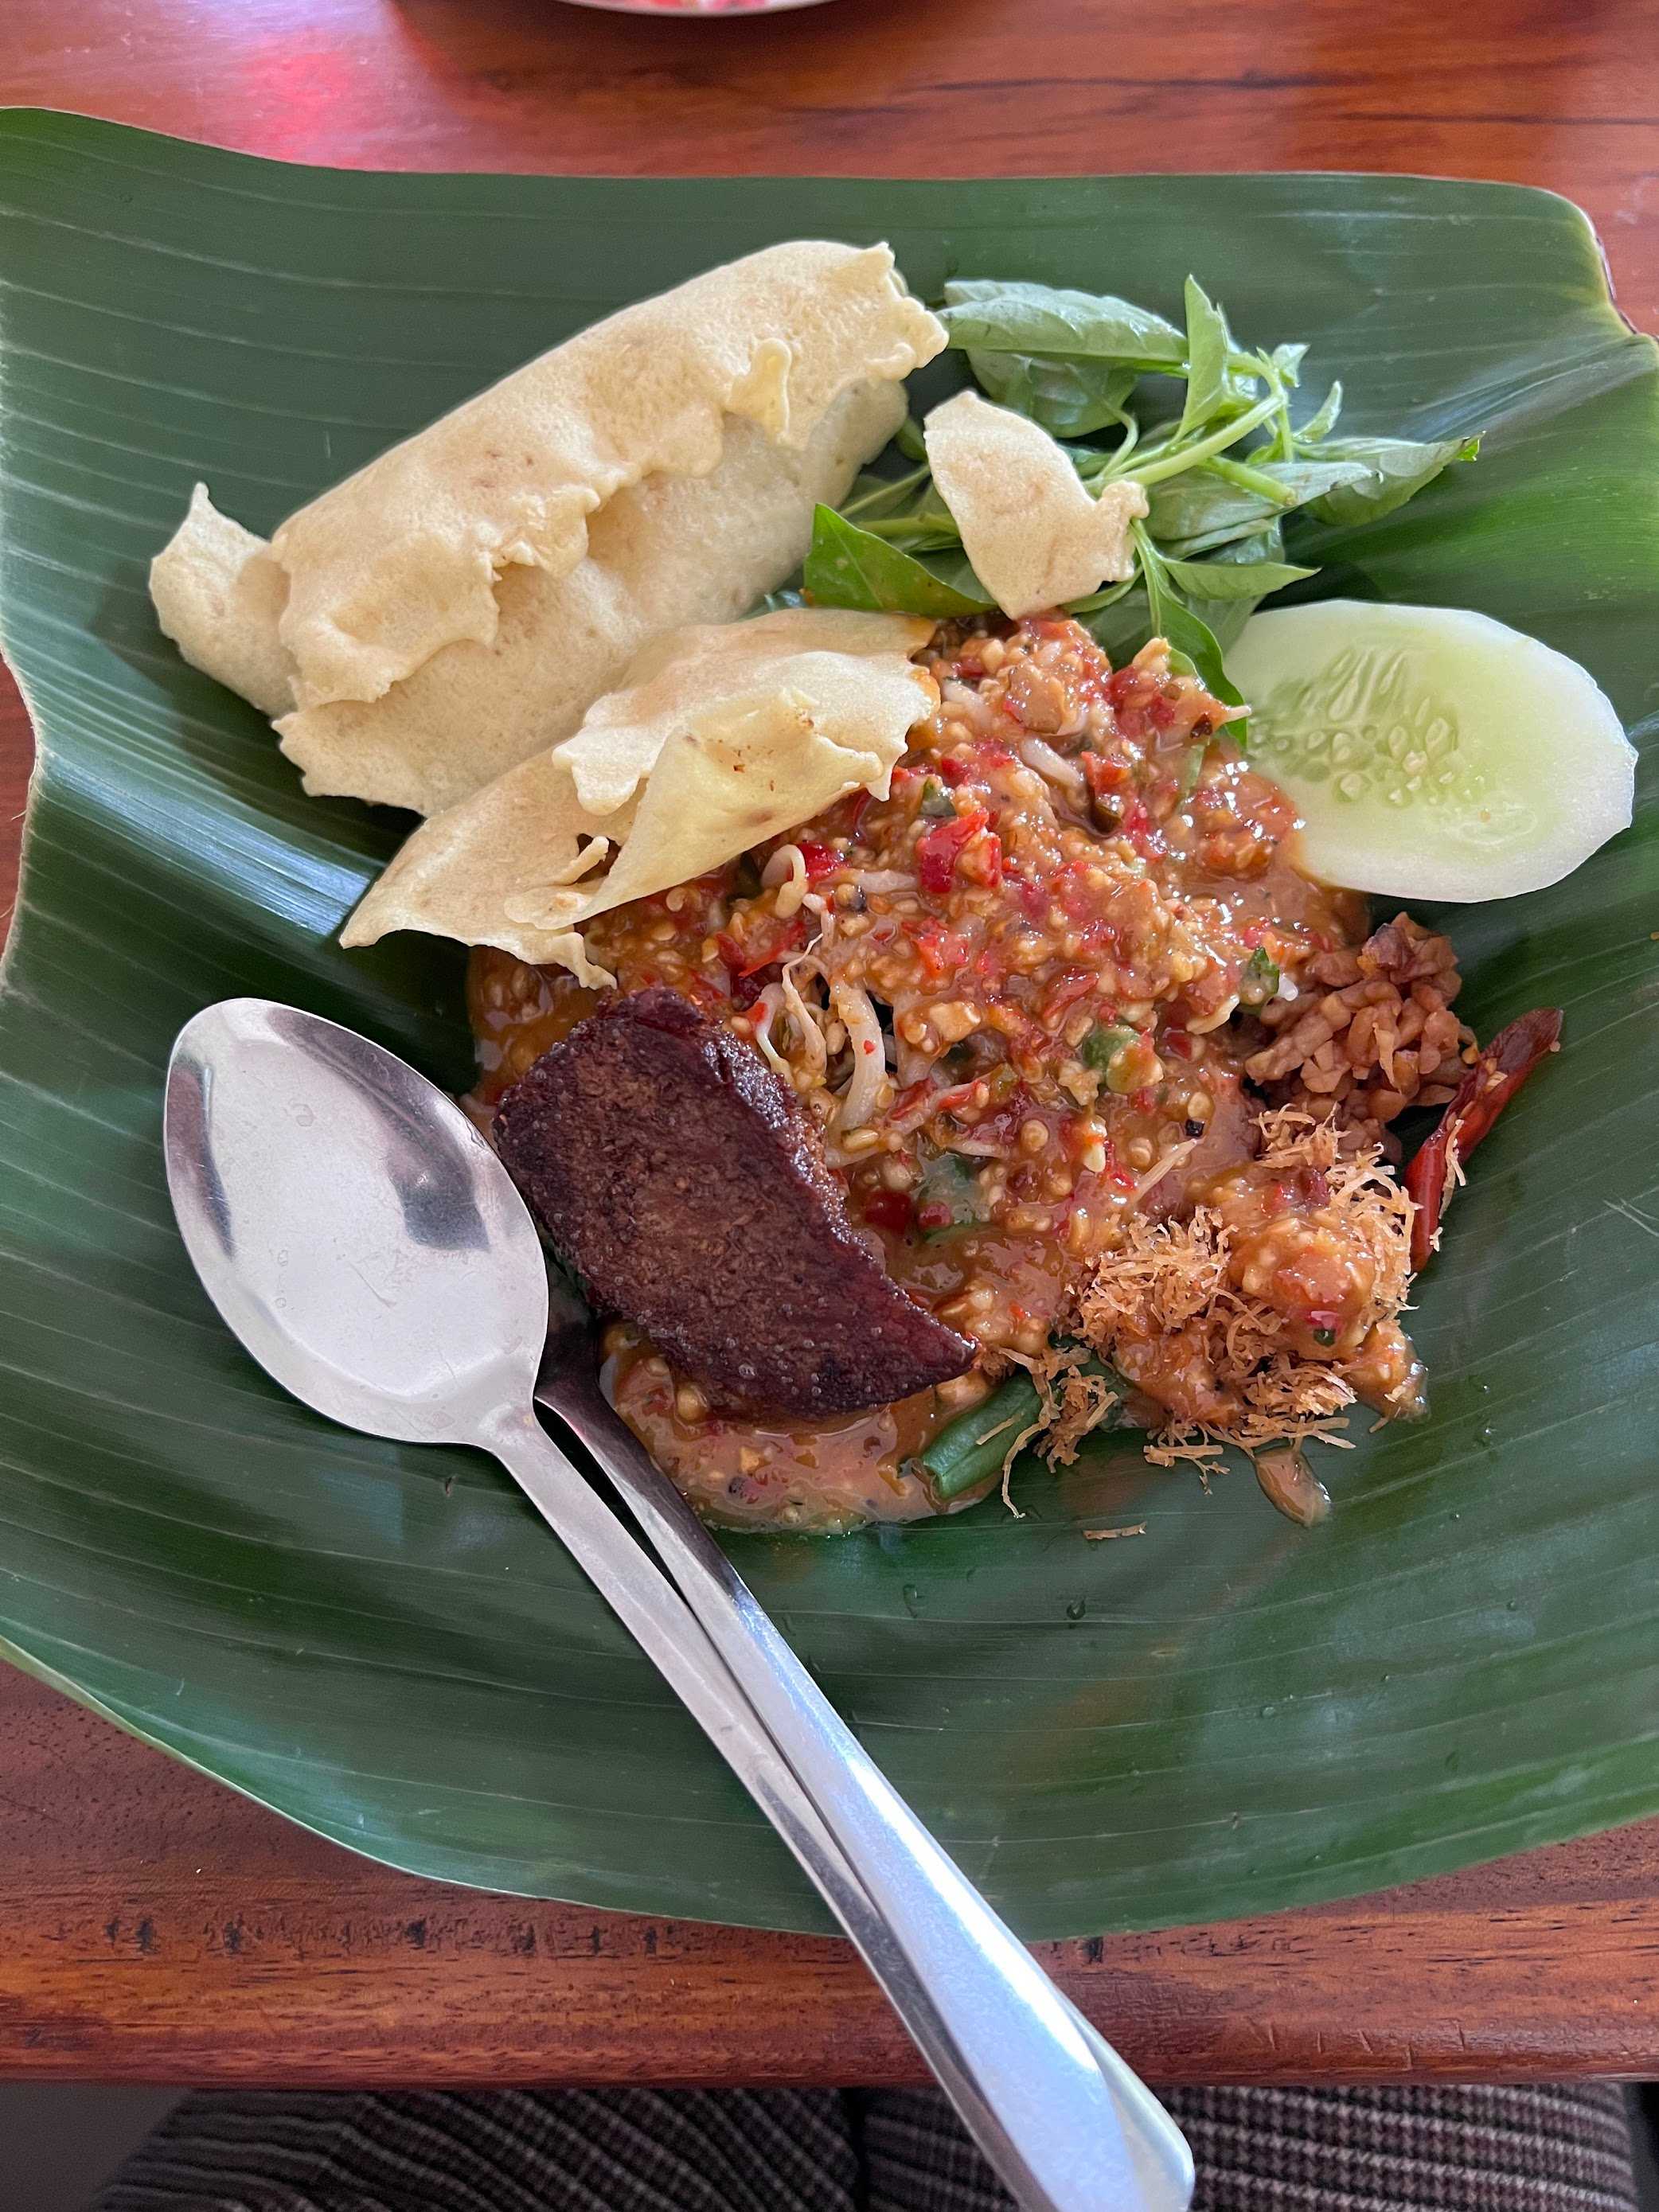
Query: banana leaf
{"points": [[1224, 1716]]}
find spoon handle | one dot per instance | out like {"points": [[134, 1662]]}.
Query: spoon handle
{"points": [[1066, 2124]]}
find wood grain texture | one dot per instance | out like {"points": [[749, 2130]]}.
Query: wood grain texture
{"points": [[158, 1927], [1563, 97]]}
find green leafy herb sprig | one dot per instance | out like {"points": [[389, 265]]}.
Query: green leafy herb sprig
{"points": [[1206, 426]]}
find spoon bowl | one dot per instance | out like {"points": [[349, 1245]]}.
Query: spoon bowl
{"points": [[351, 1225]]}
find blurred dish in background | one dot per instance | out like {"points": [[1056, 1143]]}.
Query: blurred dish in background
{"points": [[694, 7]]}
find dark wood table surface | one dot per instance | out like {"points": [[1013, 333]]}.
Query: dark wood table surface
{"points": [[155, 1926]]}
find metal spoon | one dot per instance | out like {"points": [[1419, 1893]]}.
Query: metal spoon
{"points": [[363, 1241]]}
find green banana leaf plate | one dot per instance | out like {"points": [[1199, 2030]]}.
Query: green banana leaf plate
{"points": [[1225, 1716]]}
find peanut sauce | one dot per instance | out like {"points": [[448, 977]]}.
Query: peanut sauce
{"points": [[1066, 910]]}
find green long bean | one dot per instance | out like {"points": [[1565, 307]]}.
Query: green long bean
{"points": [[971, 1448]]}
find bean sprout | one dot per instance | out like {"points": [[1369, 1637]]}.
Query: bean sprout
{"points": [[910, 1062], [787, 867], [864, 1090], [805, 1017], [764, 1012], [1053, 768], [1156, 1173]]}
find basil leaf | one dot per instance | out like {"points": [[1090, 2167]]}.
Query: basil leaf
{"points": [[1190, 634], [1108, 595], [1321, 425], [874, 496], [907, 439], [950, 567], [1209, 345], [1090, 461], [984, 315], [1266, 545], [1230, 579], [1224, 619], [1185, 631], [1226, 616], [1122, 622], [847, 566], [1288, 360], [1069, 399], [1121, 628], [1199, 505], [931, 532], [1394, 470]]}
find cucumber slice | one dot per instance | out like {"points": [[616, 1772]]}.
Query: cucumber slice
{"points": [[1432, 753]]}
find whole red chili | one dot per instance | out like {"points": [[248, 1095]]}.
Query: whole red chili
{"points": [[1482, 1095]]}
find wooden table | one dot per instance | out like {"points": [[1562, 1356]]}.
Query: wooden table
{"points": [[158, 1928]]}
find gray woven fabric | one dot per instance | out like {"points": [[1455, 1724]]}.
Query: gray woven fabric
{"points": [[1407, 2149], [618, 2150], [1541, 2149]]}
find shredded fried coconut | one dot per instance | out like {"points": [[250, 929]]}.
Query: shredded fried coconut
{"points": [[1219, 1318], [1082, 1403], [1074, 1399], [1021, 1433]]}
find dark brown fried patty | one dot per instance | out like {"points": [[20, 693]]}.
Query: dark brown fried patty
{"points": [[683, 1183]]}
